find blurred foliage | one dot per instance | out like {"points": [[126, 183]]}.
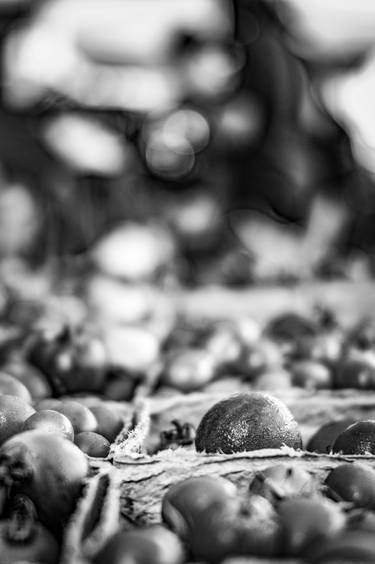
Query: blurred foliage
{"points": [[216, 126]]}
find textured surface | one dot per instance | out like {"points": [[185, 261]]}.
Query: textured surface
{"points": [[96, 518], [311, 409], [247, 422], [145, 480]]}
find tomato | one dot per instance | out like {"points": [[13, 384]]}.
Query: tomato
{"points": [[203, 511], [80, 416], [72, 361], [13, 413], [109, 423], [151, 545], [50, 421], [13, 387], [282, 481], [246, 422], [354, 482], [48, 469], [92, 444], [189, 369], [306, 520], [34, 380]]}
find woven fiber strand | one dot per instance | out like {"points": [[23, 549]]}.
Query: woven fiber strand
{"points": [[96, 518]]}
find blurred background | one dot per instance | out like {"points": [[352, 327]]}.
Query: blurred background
{"points": [[188, 143]]}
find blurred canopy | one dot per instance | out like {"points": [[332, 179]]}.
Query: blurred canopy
{"points": [[237, 125]]}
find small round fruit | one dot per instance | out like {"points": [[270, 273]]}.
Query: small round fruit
{"points": [[323, 439], [79, 415], [133, 348], [358, 438], [49, 470], [34, 380], [189, 370], [225, 346], [109, 423], [282, 481], [13, 413], [13, 387], [92, 444], [258, 528], [311, 374], [50, 421], [276, 379], [357, 372], [156, 545], [204, 512], [121, 386], [291, 326], [261, 356], [246, 422], [72, 361], [303, 521], [354, 482]]}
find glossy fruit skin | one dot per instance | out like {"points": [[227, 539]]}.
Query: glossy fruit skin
{"points": [[80, 416], [258, 528], [92, 444], [41, 547], [203, 512], [323, 439], [282, 481], [50, 421], [109, 423], [358, 438], [304, 521], [54, 471], [13, 387], [354, 482], [243, 423], [151, 545], [13, 412]]}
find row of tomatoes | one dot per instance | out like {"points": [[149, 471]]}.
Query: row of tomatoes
{"points": [[43, 460], [42, 473], [114, 360], [285, 511]]}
